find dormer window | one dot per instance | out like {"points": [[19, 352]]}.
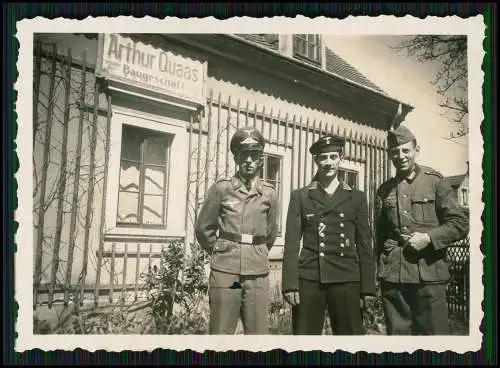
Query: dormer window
{"points": [[308, 47], [270, 40]]}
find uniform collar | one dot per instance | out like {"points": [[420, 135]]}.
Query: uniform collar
{"points": [[411, 176], [316, 185], [237, 183]]}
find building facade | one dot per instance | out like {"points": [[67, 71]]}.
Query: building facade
{"points": [[130, 131]]}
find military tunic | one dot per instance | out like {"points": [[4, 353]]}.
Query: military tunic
{"points": [[335, 265], [414, 282], [238, 227], [424, 202], [229, 210]]}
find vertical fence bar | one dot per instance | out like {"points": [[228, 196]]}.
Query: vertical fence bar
{"points": [[209, 140], [112, 272], [255, 115], [137, 261], [263, 120], [36, 88], [90, 191], [356, 147], [228, 137], [107, 149], [150, 255], [238, 112], [246, 113], [306, 146], [313, 140], [62, 180], [74, 206], [364, 141], [43, 184], [286, 131], [218, 137], [278, 128], [299, 159], [198, 160], [351, 156], [188, 184], [389, 163], [124, 275], [371, 184], [228, 125], [270, 131], [384, 162], [294, 128]]}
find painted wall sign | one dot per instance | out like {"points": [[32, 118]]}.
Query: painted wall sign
{"points": [[133, 62]]}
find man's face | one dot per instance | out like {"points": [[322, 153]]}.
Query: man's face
{"points": [[328, 163], [403, 157], [249, 163]]}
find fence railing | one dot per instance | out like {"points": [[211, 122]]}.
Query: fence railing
{"points": [[458, 287]]}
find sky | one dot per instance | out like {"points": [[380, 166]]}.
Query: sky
{"points": [[410, 82]]}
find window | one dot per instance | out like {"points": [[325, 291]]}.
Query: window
{"points": [[465, 197], [271, 173], [308, 46], [142, 190], [270, 40], [350, 177]]}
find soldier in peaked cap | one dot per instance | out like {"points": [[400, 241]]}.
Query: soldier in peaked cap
{"points": [[237, 225], [335, 268], [416, 218]]}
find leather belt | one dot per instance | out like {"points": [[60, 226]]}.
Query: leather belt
{"points": [[243, 238]]}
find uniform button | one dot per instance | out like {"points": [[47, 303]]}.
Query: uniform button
{"points": [[322, 254], [321, 224], [342, 245], [405, 196], [321, 235], [322, 244], [341, 225], [341, 214], [341, 235], [341, 254]]}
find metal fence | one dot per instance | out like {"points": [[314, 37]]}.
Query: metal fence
{"points": [[72, 118], [458, 287]]}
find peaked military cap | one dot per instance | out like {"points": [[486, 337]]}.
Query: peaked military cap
{"points": [[247, 139], [327, 143], [400, 135]]}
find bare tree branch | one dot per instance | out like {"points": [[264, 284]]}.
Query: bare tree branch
{"points": [[450, 52]]}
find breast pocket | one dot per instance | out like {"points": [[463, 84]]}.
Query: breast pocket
{"points": [[423, 208]]}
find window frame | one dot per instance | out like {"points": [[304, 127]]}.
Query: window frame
{"points": [[140, 205], [263, 173], [465, 197], [306, 56], [176, 198], [348, 171]]}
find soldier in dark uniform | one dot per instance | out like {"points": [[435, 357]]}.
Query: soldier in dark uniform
{"points": [[237, 225], [335, 270], [416, 219]]}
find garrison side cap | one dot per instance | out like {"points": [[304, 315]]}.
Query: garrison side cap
{"points": [[328, 143], [400, 135], [247, 139]]}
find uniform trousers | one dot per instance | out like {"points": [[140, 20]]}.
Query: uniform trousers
{"points": [[415, 309], [233, 296], [341, 300]]}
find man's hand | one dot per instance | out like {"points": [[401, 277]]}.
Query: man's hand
{"points": [[366, 301], [292, 298], [419, 241]]}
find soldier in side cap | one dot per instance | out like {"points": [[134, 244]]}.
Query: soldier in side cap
{"points": [[237, 225], [416, 219], [335, 270]]}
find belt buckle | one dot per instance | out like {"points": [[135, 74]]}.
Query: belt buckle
{"points": [[247, 238]]}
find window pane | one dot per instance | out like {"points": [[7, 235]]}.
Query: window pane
{"points": [[129, 176], [153, 210], [273, 168], [131, 143], [127, 207], [155, 151], [154, 180]]}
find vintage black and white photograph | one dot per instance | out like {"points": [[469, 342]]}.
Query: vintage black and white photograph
{"points": [[189, 181]]}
